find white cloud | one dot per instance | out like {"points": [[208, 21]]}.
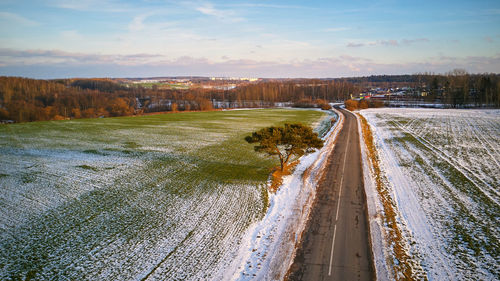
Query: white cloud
{"points": [[392, 42], [11, 18], [417, 40], [90, 5], [337, 29], [224, 15], [137, 23], [274, 6]]}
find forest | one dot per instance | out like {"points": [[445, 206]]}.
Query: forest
{"points": [[25, 100]]}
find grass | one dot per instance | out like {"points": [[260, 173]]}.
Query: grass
{"points": [[181, 186]]}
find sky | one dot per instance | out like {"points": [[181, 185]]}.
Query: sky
{"points": [[273, 39]]}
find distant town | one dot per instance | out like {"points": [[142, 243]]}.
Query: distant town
{"points": [[183, 83]]}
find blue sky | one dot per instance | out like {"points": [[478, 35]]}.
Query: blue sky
{"points": [[103, 38]]}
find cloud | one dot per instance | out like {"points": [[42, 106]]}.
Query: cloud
{"points": [[393, 43], [16, 19], [274, 6], [388, 42], [411, 41], [90, 5], [355, 45], [137, 23], [337, 29], [57, 64], [224, 15], [34, 57]]}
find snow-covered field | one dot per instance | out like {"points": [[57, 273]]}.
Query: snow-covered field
{"points": [[155, 197], [443, 170]]}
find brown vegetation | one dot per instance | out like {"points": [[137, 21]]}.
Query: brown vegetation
{"points": [[24, 100], [309, 103], [362, 104], [351, 105]]}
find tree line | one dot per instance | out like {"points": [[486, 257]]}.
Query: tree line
{"points": [[24, 100], [456, 88], [459, 89]]}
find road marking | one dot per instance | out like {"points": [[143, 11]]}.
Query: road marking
{"points": [[338, 202]]}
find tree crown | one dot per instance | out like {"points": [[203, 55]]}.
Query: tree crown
{"points": [[291, 139]]}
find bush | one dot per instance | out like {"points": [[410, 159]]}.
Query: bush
{"points": [[363, 104], [308, 103], [351, 105], [323, 104], [326, 107]]}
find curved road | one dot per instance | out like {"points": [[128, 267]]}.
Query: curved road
{"points": [[335, 245]]}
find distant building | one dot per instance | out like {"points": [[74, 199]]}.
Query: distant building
{"points": [[234, 79]]}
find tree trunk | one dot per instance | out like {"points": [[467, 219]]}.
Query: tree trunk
{"points": [[282, 163]]}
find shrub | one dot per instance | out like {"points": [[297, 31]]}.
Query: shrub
{"points": [[326, 107], [363, 104], [351, 104]]}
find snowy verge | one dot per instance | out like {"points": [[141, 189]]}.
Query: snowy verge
{"points": [[375, 214], [268, 247]]}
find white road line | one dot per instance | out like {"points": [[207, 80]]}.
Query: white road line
{"points": [[338, 202], [331, 253]]}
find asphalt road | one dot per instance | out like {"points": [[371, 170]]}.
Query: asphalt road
{"points": [[335, 245]]}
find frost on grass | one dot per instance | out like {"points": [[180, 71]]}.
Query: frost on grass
{"points": [[443, 171], [163, 197]]}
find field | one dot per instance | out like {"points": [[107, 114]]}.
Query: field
{"points": [[442, 170], [153, 197]]}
